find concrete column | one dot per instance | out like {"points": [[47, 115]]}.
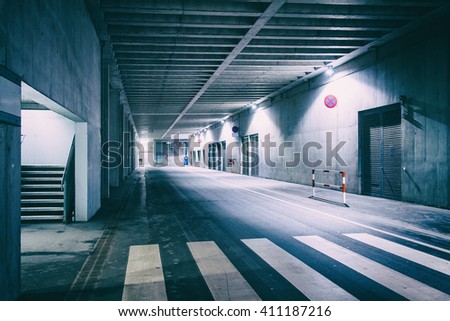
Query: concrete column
{"points": [[448, 120], [81, 172], [128, 151], [105, 79], [125, 144], [115, 136], [149, 155], [121, 129], [10, 96]]}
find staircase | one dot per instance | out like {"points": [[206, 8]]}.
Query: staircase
{"points": [[42, 194]]}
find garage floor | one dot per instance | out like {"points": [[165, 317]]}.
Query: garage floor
{"points": [[174, 233]]}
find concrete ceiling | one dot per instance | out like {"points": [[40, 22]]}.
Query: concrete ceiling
{"points": [[184, 65]]}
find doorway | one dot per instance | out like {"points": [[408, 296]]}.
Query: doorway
{"points": [[217, 156], [75, 148], [381, 151], [250, 155], [223, 154]]}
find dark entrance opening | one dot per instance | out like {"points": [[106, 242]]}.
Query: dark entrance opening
{"points": [[381, 151]]}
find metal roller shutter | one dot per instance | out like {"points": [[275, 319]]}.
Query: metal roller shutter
{"points": [[254, 147], [392, 154], [382, 152]]}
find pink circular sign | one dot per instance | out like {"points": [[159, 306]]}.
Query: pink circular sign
{"points": [[330, 101]]}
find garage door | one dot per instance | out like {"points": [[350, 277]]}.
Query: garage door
{"points": [[382, 152]]}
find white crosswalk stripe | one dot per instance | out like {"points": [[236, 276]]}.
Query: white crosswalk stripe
{"points": [[310, 282], [144, 280], [223, 279], [399, 283], [405, 252]]}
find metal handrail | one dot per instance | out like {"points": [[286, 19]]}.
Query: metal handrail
{"points": [[68, 162], [68, 185]]}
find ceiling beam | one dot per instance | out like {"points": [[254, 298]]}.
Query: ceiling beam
{"points": [[415, 25], [207, 13], [176, 114], [259, 24], [399, 3]]}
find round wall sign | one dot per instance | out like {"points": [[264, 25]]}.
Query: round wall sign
{"points": [[330, 101]]}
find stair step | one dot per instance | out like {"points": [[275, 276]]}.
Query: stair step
{"points": [[41, 186], [42, 173], [45, 194], [41, 196], [31, 210], [42, 167], [42, 218], [42, 203], [43, 180]]}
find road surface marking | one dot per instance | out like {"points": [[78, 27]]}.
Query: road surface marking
{"points": [[223, 279], [405, 252], [144, 280], [310, 282], [347, 220], [391, 279]]}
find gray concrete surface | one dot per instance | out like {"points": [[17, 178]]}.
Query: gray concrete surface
{"points": [[171, 206], [63, 63], [53, 254], [378, 78], [10, 190]]}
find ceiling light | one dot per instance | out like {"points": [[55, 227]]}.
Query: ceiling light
{"points": [[330, 70], [222, 121], [254, 106]]}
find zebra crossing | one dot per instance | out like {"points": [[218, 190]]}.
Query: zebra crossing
{"points": [[226, 285], [307, 280], [145, 278], [391, 279]]}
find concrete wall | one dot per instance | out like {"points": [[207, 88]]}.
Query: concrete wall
{"points": [[121, 139], [46, 137], [53, 47], [10, 189], [415, 66]]}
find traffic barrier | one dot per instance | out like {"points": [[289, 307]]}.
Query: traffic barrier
{"points": [[342, 187]]}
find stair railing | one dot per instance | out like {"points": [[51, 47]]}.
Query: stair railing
{"points": [[68, 185]]}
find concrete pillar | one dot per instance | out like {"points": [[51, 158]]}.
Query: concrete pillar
{"points": [[128, 158], [121, 129], [115, 136], [448, 119], [105, 77], [125, 145], [10, 96], [150, 153], [81, 172]]}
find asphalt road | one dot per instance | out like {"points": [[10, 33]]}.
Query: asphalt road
{"points": [[225, 236]]}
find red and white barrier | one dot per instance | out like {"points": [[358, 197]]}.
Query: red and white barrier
{"points": [[342, 187]]}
